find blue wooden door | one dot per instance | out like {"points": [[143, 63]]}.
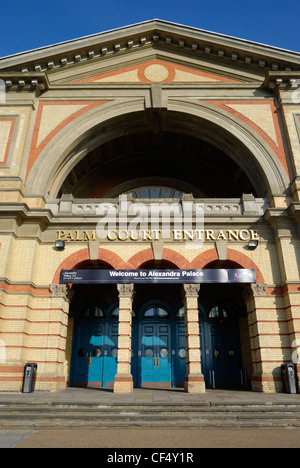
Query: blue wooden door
{"points": [[163, 353], [135, 354], [156, 357], [226, 355], [80, 356], [180, 354], [87, 358], [204, 352], [95, 350], [95, 358], [221, 354], [110, 354]]}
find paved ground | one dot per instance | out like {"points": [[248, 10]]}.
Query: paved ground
{"points": [[152, 438], [156, 439], [106, 396]]}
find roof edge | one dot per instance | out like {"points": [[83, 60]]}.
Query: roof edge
{"points": [[141, 27]]}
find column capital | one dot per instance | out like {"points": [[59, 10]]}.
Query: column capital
{"points": [[62, 290], [126, 290], [191, 290], [253, 290]]}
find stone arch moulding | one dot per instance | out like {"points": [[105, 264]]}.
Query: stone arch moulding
{"points": [[60, 156], [241, 259], [270, 168], [71, 262], [169, 255]]}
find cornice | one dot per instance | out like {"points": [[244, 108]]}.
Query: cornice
{"points": [[154, 33], [25, 80], [282, 80]]}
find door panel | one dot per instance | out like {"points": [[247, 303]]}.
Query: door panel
{"points": [[135, 354], [163, 353], [148, 353], [223, 361], [110, 360], [80, 358], [156, 354], [94, 358], [180, 355]]}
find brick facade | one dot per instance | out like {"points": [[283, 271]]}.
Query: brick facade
{"points": [[72, 109]]}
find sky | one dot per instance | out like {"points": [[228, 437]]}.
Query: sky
{"points": [[27, 24]]}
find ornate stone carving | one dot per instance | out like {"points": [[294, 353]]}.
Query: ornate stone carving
{"points": [[62, 290], [259, 289], [253, 290], [191, 290], [126, 290]]}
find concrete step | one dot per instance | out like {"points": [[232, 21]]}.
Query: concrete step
{"points": [[96, 410], [201, 422], [20, 415]]}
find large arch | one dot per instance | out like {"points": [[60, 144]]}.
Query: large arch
{"points": [[210, 256], [146, 256], [83, 255], [241, 143]]}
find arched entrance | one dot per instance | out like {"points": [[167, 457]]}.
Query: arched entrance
{"points": [[209, 137], [224, 337], [159, 331], [158, 338], [93, 332]]}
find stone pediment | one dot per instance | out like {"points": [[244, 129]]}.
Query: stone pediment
{"points": [[154, 51], [156, 71]]}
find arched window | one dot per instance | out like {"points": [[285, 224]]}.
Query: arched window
{"points": [[156, 312], [217, 313], [116, 312], [156, 192], [180, 313], [92, 312]]}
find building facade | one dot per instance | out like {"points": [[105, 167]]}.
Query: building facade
{"points": [[151, 115]]}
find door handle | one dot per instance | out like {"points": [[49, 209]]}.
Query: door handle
{"points": [[154, 362], [158, 362]]}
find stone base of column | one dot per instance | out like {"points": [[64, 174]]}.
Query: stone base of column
{"points": [[123, 383], [267, 382], [194, 383]]}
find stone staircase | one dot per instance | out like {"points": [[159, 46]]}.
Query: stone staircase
{"points": [[17, 415]]}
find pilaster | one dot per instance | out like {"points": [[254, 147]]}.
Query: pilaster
{"points": [[194, 380], [268, 336], [123, 380], [288, 246]]}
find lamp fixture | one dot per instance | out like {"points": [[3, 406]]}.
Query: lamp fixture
{"points": [[253, 244], [60, 245]]}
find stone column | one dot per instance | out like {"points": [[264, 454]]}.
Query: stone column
{"points": [[57, 368], [267, 330], [288, 247], [123, 380], [194, 380]]}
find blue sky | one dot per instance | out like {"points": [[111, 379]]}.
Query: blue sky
{"points": [[27, 24]]}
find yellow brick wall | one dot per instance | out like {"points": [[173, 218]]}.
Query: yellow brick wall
{"points": [[36, 327]]}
